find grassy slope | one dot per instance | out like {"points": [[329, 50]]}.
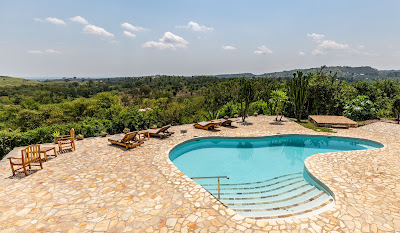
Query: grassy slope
{"points": [[9, 81], [309, 125]]}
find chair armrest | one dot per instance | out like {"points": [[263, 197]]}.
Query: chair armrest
{"points": [[13, 158]]}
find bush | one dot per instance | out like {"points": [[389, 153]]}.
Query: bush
{"points": [[229, 109], [259, 107], [360, 109]]}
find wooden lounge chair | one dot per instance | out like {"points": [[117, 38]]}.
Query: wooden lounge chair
{"points": [[223, 122], [29, 155], [66, 142], [160, 132], [129, 140], [206, 125]]}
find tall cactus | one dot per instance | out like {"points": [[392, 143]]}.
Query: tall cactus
{"points": [[298, 92]]}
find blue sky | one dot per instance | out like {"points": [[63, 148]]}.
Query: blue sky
{"points": [[46, 38]]}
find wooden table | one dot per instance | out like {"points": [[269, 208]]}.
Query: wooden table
{"points": [[144, 133], [44, 150]]}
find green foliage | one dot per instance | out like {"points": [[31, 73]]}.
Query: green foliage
{"points": [[230, 109], [260, 107], [361, 108], [245, 96], [396, 108], [298, 92], [278, 100]]}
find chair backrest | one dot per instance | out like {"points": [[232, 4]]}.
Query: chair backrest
{"points": [[163, 129], [72, 134], [129, 137], [31, 154]]}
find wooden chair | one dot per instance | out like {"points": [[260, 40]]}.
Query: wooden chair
{"points": [[66, 142], [128, 141], [29, 155]]}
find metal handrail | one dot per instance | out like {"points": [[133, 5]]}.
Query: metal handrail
{"points": [[213, 177]]}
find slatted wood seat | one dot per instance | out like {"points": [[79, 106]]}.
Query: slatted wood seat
{"points": [[66, 142], [206, 125], [29, 157], [161, 132], [129, 141]]}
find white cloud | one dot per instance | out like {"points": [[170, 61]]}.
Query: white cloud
{"points": [[92, 29], [39, 20], [55, 21], [35, 51], [327, 45], [133, 28], [196, 27], [129, 34], [168, 41], [316, 37], [47, 51], [228, 47], [263, 50], [52, 51], [302, 53], [79, 19]]}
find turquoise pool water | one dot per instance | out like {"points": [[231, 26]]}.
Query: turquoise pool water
{"points": [[259, 166]]}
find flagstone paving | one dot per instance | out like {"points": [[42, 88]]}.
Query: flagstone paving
{"points": [[104, 188]]}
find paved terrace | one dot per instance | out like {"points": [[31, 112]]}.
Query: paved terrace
{"points": [[104, 188]]}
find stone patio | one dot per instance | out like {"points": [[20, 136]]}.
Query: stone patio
{"points": [[104, 188]]}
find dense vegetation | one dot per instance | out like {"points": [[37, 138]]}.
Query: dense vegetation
{"points": [[31, 113]]}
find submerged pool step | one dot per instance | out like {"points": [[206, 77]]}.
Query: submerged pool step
{"points": [[269, 192], [288, 198], [256, 183], [268, 185], [279, 197]]}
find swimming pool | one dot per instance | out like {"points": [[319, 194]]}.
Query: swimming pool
{"points": [[267, 177]]}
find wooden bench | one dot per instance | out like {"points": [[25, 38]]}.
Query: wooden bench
{"points": [[29, 156]]}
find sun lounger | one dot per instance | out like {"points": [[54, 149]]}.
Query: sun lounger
{"points": [[29, 155], [128, 141], [206, 125], [161, 132], [223, 122]]}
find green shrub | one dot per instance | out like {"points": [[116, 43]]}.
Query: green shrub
{"points": [[229, 109], [260, 107], [360, 109]]}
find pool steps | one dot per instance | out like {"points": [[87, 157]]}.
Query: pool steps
{"points": [[285, 196]]}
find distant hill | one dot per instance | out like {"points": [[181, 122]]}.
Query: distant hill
{"points": [[343, 72], [10, 81]]}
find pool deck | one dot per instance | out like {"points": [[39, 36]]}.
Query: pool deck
{"points": [[104, 188]]}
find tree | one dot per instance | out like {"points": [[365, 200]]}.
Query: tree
{"points": [[245, 96], [214, 98], [396, 108], [278, 100], [298, 92]]}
